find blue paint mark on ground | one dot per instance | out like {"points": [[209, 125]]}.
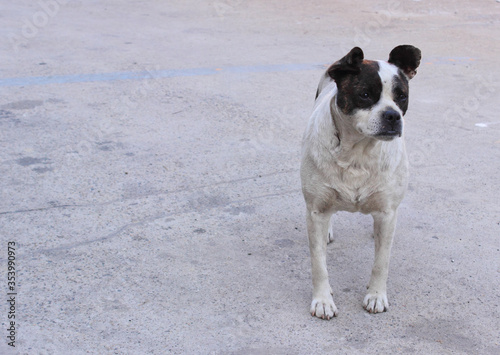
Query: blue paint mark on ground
{"points": [[154, 74], [173, 73], [448, 60]]}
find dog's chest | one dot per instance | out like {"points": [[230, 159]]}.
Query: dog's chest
{"points": [[354, 187], [365, 188]]}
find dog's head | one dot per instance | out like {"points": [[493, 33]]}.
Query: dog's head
{"points": [[374, 94]]}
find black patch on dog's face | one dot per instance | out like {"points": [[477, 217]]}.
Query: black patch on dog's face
{"points": [[400, 91], [359, 90]]}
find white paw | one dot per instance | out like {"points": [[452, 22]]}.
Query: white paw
{"points": [[376, 302], [323, 307]]}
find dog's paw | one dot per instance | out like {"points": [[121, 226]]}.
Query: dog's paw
{"points": [[324, 307], [376, 302]]}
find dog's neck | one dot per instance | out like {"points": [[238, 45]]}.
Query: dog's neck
{"points": [[349, 138]]}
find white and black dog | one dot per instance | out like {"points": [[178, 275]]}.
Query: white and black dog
{"points": [[354, 159]]}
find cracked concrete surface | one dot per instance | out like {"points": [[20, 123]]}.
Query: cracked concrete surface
{"points": [[149, 177]]}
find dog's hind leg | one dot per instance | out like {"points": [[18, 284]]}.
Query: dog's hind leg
{"points": [[322, 305], [384, 225]]}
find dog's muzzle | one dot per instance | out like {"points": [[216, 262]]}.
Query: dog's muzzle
{"points": [[390, 125]]}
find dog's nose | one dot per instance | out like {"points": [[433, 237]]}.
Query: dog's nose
{"points": [[391, 116]]}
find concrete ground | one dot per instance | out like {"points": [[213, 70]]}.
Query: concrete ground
{"points": [[149, 156]]}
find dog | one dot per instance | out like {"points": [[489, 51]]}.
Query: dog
{"points": [[354, 159]]}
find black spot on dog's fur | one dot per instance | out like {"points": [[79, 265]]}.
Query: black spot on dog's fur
{"points": [[400, 92], [359, 90], [358, 82]]}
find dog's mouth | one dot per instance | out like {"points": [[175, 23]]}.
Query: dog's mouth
{"points": [[388, 135]]}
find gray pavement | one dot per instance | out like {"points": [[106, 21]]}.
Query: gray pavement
{"points": [[149, 156]]}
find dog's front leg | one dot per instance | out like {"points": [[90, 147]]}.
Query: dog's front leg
{"points": [[322, 305], [384, 225]]}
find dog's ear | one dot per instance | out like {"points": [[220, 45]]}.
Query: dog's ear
{"points": [[407, 58], [350, 64]]}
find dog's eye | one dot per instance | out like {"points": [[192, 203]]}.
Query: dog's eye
{"points": [[402, 97], [364, 95]]}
